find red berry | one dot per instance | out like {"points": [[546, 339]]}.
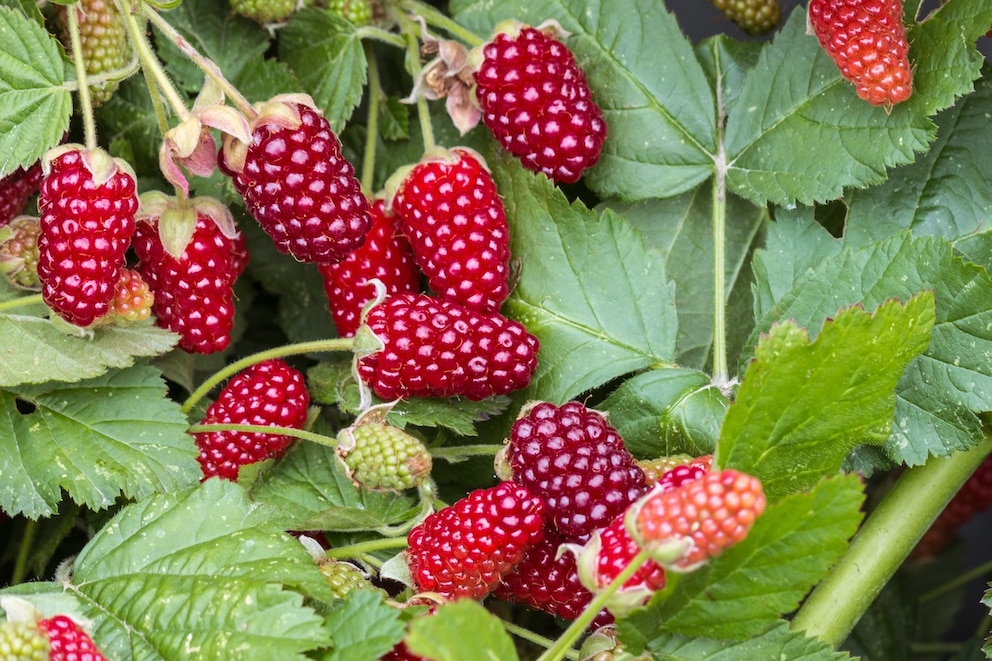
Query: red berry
{"points": [[450, 210], [577, 462], [443, 349], [15, 191], [616, 550], [194, 294], [87, 204], [132, 301], [299, 187], [465, 549], [270, 393], [714, 512], [537, 104], [867, 40], [68, 641], [656, 469], [386, 255]]}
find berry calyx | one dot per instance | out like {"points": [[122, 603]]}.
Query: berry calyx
{"points": [[536, 102], [465, 549], [270, 393]]}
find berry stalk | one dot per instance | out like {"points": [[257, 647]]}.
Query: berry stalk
{"points": [[456, 453], [21, 300], [320, 439], [436, 19], [720, 372], [151, 66], [85, 98], [536, 638], [372, 129], [883, 544]]}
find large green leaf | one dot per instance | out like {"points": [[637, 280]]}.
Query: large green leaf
{"points": [[942, 390], [777, 643], [745, 590], [363, 628], [325, 53], [34, 107], [198, 574], [461, 631], [597, 299], [95, 440]]}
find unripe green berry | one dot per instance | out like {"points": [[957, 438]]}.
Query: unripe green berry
{"points": [[344, 578], [753, 16], [382, 457], [22, 641], [357, 12], [265, 11]]}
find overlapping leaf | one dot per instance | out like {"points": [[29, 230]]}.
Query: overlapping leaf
{"points": [[363, 628], [777, 643], [94, 440], [457, 628]]}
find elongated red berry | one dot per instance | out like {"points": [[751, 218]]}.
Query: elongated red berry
{"points": [[708, 514], [867, 40], [270, 393], [571, 457], [386, 255], [465, 549], [536, 102], [450, 210], [297, 184], [193, 292], [67, 641], [16, 189], [87, 203], [439, 348]]}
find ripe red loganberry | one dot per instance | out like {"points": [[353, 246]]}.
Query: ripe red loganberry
{"points": [[465, 549], [298, 185], [867, 40], [194, 294], [571, 457], [87, 205], [548, 581], [450, 210], [974, 497], [714, 511], [270, 393], [439, 348], [68, 641], [386, 255], [536, 102], [15, 191]]}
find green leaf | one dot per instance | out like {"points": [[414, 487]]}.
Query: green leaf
{"points": [[36, 351], [262, 78], [802, 405], [461, 631], [97, 440], [229, 40], [945, 192], [325, 53], [127, 121], [939, 394], [681, 229], [314, 495], [199, 573], [363, 628], [665, 412], [794, 103], [394, 120], [777, 643], [34, 107], [746, 589], [596, 298]]}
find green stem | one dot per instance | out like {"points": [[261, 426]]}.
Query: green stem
{"points": [[320, 439], [435, 18], [537, 639], [151, 66], [359, 548], [33, 299], [980, 570], [456, 453], [884, 542], [368, 32], [316, 346], [410, 30], [24, 553], [206, 65], [580, 624], [720, 371], [372, 123], [114, 74], [85, 100]]}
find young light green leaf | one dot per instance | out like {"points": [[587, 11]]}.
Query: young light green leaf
{"points": [[746, 589], [199, 573], [681, 229], [668, 411], [461, 631], [802, 405], [940, 393], [776, 643], [944, 192], [363, 628], [314, 495], [325, 53], [114, 435], [794, 103], [34, 107], [597, 299]]}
